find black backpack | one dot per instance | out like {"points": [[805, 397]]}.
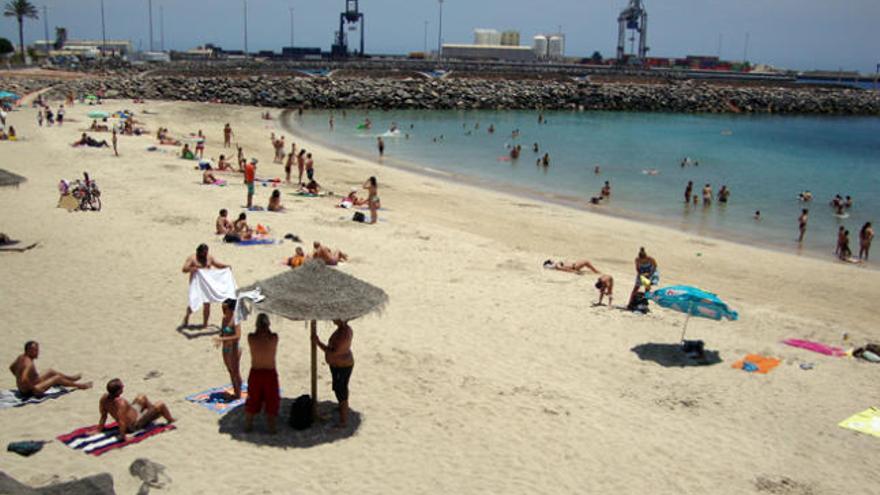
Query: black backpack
{"points": [[301, 413]]}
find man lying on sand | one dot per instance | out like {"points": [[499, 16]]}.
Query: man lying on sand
{"points": [[574, 267], [31, 383], [128, 419], [329, 257], [91, 142]]}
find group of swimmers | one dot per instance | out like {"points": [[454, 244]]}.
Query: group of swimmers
{"points": [[708, 196]]}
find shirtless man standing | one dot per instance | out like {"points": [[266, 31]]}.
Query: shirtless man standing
{"points": [[227, 136], [263, 378], [127, 418], [31, 383], [193, 264], [337, 354]]}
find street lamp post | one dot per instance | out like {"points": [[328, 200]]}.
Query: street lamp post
{"points": [[150, 4], [245, 30], [291, 27], [426, 38], [440, 32], [103, 32]]}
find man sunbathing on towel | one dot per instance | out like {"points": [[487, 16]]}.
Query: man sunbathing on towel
{"points": [[128, 419], [31, 383], [330, 258], [575, 267]]}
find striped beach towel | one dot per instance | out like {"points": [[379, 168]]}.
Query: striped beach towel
{"points": [[96, 443], [12, 398]]}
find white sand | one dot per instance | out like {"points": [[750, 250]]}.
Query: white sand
{"points": [[486, 374]]}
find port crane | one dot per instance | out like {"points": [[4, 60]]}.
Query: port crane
{"points": [[633, 18], [353, 18]]}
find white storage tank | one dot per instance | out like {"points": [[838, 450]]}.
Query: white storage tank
{"points": [[556, 46], [510, 38], [539, 45], [487, 37]]}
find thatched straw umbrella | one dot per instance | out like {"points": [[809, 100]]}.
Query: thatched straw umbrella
{"points": [[10, 179], [315, 292]]}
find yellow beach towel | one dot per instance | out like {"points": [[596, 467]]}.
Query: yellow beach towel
{"points": [[867, 421]]}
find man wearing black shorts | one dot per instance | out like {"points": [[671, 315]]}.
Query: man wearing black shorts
{"points": [[337, 353]]}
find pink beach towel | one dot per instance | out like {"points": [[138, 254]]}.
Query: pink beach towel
{"points": [[815, 347]]}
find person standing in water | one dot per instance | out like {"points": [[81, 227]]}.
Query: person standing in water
{"points": [[802, 224], [866, 235], [381, 144], [687, 191]]}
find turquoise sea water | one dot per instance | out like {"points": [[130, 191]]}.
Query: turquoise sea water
{"points": [[764, 160]]}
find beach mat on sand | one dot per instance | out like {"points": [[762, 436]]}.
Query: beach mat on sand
{"points": [[255, 242], [867, 421], [92, 443], [757, 363], [216, 400], [815, 347], [12, 398]]}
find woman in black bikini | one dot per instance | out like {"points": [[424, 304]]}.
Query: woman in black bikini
{"points": [[230, 334]]}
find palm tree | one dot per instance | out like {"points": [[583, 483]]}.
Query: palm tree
{"points": [[21, 9]]}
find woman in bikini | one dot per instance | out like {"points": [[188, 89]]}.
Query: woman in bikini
{"points": [[288, 165], [373, 202], [230, 334], [301, 164], [646, 266]]}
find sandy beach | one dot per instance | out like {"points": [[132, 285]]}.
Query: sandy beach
{"points": [[485, 374]]}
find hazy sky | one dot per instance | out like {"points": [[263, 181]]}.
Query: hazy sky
{"points": [[798, 34]]}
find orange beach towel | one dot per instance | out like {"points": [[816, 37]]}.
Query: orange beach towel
{"points": [[765, 364]]}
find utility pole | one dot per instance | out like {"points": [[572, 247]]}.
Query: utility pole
{"points": [[440, 33], [150, 3], [291, 27], [245, 30], [720, 39], [162, 28], [103, 32], [46, 27], [746, 49]]}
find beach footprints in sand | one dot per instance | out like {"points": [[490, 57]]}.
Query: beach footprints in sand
{"points": [[784, 485], [176, 220]]}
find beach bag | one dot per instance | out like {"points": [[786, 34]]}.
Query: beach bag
{"points": [[359, 217], [301, 413], [231, 238], [638, 303]]}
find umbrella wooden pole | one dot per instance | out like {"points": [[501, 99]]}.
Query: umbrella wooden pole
{"points": [[314, 369]]}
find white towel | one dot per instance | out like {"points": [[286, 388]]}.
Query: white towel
{"points": [[211, 286], [244, 306]]}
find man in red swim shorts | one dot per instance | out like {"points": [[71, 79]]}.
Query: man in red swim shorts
{"points": [[263, 379]]}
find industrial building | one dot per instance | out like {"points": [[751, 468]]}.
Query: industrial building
{"points": [[489, 52], [549, 46], [86, 48]]}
